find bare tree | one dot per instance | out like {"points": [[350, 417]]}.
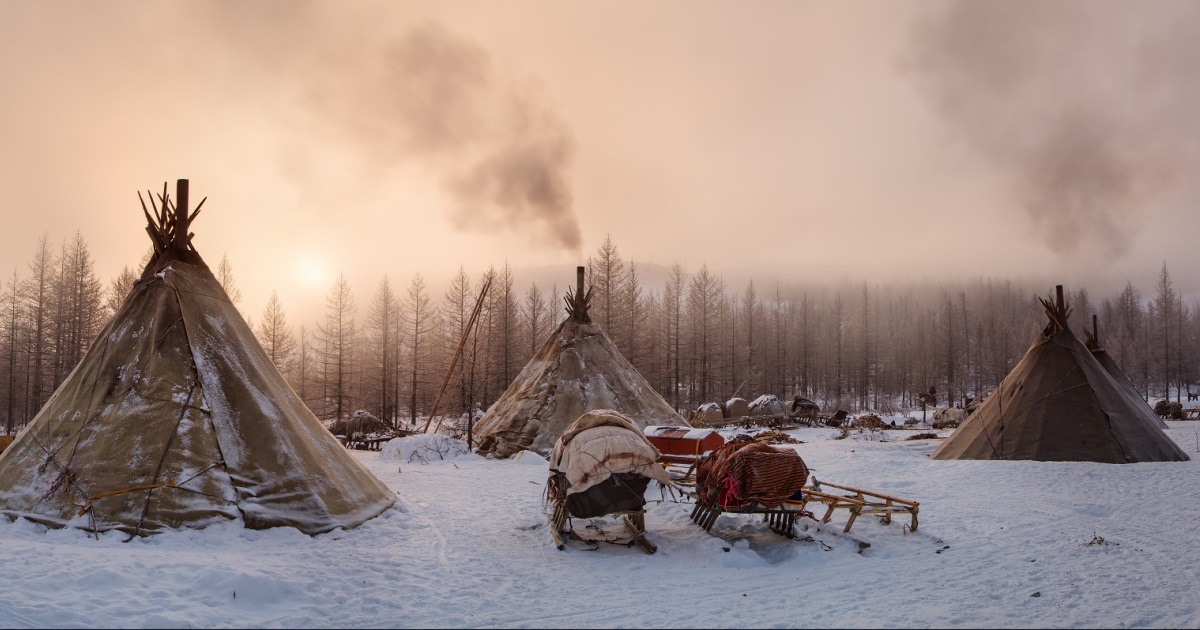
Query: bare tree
{"points": [[536, 314], [673, 297], [118, 289], [335, 344], [704, 303], [275, 335], [1165, 303], [225, 278], [633, 302], [457, 305], [10, 326], [418, 318], [380, 352], [607, 272], [37, 294]]}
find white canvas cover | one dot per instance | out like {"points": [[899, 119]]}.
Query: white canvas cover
{"points": [[600, 444]]}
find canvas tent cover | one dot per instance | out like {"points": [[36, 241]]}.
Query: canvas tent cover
{"points": [[578, 369], [708, 414], [1059, 404], [767, 405], [1122, 379], [737, 408], [176, 417]]}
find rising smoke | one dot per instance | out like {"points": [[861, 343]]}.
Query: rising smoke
{"points": [[419, 95], [1088, 108]]}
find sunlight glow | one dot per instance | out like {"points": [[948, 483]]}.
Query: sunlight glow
{"points": [[312, 271]]}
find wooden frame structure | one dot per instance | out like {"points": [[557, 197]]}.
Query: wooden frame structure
{"points": [[634, 520]]}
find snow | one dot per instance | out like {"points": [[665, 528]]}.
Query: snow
{"points": [[530, 458], [1000, 544], [764, 400], [688, 434], [425, 448]]}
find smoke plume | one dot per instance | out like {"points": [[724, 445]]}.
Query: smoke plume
{"points": [[1088, 108], [417, 95]]}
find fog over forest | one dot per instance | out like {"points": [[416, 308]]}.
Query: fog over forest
{"points": [[697, 338]]}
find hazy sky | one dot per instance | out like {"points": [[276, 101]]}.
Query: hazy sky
{"points": [[881, 139]]}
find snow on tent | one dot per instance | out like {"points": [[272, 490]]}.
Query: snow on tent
{"points": [[767, 405], [578, 369], [1059, 404], [177, 418], [708, 415], [1119, 375]]}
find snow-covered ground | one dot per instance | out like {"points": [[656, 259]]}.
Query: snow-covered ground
{"points": [[1000, 544]]}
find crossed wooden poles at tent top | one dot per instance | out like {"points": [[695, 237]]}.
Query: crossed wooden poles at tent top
{"points": [[168, 226], [1058, 311]]}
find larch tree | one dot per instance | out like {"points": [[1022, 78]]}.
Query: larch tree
{"points": [[119, 289], [456, 307], [838, 335], [335, 343], [1165, 303], [381, 351], [37, 296], [633, 301], [225, 278], [673, 307], [704, 304], [536, 317], [275, 335], [10, 325], [607, 272], [418, 319]]}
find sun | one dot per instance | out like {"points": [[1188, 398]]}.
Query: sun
{"points": [[312, 271]]}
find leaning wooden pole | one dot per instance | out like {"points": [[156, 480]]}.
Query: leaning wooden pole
{"points": [[457, 352]]}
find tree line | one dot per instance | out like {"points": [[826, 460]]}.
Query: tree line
{"points": [[853, 346]]}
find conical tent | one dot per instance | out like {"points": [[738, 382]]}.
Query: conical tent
{"points": [[578, 369], [1122, 379], [177, 418], [1059, 404]]}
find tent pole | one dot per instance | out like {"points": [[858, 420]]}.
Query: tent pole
{"points": [[181, 215]]}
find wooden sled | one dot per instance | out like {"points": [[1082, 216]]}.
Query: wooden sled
{"points": [[835, 497], [857, 501], [635, 521]]}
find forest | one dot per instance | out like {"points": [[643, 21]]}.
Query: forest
{"points": [[856, 346]]}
